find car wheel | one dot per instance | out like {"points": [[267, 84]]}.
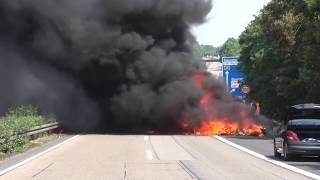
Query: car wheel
{"points": [[275, 150], [286, 155]]}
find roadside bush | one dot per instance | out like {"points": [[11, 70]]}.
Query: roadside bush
{"points": [[14, 123]]}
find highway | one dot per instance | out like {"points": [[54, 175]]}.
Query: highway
{"points": [[264, 146], [148, 157]]}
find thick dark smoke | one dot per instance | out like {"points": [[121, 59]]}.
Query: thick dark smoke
{"points": [[101, 64]]}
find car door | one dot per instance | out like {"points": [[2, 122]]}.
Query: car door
{"points": [[279, 136]]}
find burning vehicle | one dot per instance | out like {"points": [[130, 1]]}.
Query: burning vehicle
{"points": [[215, 119], [300, 133]]}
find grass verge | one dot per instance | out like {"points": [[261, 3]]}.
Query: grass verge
{"points": [[45, 138], [14, 123]]}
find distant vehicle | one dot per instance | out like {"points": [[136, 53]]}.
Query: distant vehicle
{"points": [[300, 133]]}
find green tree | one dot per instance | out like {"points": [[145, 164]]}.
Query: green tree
{"points": [[205, 50], [230, 48], [280, 55]]}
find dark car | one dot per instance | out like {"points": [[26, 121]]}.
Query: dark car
{"points": [[300, 133]]}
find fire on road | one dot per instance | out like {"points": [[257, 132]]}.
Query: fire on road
{"points": [[214, 121]]}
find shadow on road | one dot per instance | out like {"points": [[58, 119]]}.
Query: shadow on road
{"points": [[298, 159], [250, 137]]}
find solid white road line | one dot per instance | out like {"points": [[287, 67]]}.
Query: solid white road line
{"points": [[149, 154], [278, 163], [35, 156], [146, 138]]}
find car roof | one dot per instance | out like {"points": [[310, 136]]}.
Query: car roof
{"points": [[306, 106]]}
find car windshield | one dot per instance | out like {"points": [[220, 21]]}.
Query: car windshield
{"points": [[304, 122]]}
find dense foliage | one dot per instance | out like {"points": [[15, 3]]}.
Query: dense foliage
{"points": [[231, 48], [281, 55], [205, 50], [14, 123]]}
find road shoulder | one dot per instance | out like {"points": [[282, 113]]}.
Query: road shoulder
{"points": [[275, 162], [13, 161]]}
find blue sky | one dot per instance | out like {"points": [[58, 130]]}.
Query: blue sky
{"points": [[228, 18]]}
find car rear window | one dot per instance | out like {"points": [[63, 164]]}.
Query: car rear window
{"points": [[304, 122], [304, 113]]}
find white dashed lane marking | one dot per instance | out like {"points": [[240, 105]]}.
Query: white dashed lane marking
{"points": [[149, 155]]}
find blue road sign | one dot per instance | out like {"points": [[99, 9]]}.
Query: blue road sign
{"points": [[232, 76]]}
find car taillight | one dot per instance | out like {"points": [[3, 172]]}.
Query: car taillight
{"points": [[293, 136]]}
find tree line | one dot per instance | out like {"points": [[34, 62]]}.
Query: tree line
{"points": [[230, 48], [280, 55]]}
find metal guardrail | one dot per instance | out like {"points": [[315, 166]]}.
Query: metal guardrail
{"points": [[36, 130], [41, 129]]}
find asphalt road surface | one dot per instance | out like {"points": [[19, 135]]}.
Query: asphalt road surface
{"points": [[148, 157], [264, 146]]}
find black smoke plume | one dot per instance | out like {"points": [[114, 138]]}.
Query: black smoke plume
{"points": [[101, 64]]}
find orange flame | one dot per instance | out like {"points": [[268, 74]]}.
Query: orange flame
{"points": [[223, 126], [218, 127], [253, 129], [205, 99], [198, 80]]}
